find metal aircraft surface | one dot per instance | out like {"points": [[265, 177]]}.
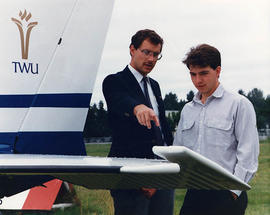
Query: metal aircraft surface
{"points": [[50, 53]]}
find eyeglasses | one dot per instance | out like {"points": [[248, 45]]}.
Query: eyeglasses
{"points": [[156, 55]]}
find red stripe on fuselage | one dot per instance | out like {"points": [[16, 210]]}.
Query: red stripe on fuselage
{"points": [[42, 198]]}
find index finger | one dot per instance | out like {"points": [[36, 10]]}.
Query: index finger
{"points": [[156, 120]]}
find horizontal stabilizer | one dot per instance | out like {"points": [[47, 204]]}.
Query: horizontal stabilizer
{"points": [[184, 169]]}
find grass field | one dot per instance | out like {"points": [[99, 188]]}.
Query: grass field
{"points": [[99, 202]]}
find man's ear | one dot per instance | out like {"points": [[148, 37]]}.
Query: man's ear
{"points": [[131, 50], [218, 70]]}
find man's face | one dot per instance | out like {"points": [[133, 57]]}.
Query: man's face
{"points": [[140, 61], [205, 79]]}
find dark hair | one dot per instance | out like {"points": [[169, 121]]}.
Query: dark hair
{"points": [[138, 38], [203, 55]]}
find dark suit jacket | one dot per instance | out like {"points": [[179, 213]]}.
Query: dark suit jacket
{"points": [[130, 139]]}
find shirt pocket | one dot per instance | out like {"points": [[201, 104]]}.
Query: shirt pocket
{"points": [[188, 133], [219, 131]]}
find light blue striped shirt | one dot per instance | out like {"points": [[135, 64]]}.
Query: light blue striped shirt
{"points": [[223, 130]]}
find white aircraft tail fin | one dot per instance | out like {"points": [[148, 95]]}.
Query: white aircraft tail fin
{"points": [[51, 53]]}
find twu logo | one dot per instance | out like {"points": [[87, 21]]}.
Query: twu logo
{"points": [[25, 29], [28, 27]]}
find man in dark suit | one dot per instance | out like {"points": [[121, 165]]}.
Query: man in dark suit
{"points": [[137, 118]]}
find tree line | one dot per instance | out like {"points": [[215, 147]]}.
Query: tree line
{"points": [[97, 118]]}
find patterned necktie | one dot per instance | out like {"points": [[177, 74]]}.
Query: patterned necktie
{"points": [[157, 130]]}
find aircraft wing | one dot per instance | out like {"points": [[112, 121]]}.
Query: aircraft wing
{"points": [[182, 168]]}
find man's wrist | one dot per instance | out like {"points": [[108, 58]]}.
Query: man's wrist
{"points": [[135, 109]]}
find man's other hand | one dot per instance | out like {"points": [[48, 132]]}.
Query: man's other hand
{"points": [[144, 115], [148, 192], [234, 195]]}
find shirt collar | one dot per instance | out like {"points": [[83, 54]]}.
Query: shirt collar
{"points": [[136, 74], [218, 93]]}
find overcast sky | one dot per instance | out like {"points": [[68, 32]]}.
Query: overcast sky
{"points": [[240, 29]]}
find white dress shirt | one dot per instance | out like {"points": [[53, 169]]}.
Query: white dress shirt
{"points": [[139, 78], [223, 130]]}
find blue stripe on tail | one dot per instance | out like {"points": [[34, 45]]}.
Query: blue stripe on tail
{"points": [[73, 100], [57, 143], [62, 143]]}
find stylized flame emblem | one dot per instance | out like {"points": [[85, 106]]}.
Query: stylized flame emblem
{"points": [[29, 27]]}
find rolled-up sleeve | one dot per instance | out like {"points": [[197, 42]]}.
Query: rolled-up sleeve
{"points": [[248, 141]]}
